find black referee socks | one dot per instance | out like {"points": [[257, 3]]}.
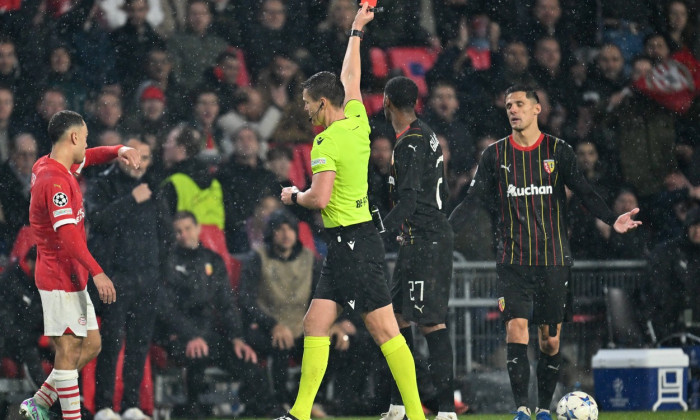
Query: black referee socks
{"points": [[519, 372]]}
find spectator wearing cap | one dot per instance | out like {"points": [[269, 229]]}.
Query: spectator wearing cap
{"points": [[132, 41], [158, 71], [196, 48], [150, 121], [673, 286]]}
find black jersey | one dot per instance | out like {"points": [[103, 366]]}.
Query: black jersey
{"points": [[527, 186], [416, 184]]}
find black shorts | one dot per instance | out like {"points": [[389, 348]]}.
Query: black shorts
{"points": [[422, 278], [537, 293], [353, 272]]}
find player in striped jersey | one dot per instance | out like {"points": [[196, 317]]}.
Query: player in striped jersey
{"points": [[423, 274], [526, 174]]}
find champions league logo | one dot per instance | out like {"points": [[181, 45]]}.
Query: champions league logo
{"points": [[60, 199], [619, 400]]}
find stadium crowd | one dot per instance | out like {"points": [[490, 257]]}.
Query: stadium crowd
{"points": [[210, 94]]}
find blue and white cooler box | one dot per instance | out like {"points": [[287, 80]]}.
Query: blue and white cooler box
{"points": [[641, 379]]}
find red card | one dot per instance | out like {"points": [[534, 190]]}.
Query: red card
{"points": [[372, 3]]}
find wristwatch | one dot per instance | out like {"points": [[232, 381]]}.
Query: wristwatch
{"points": [[355, 32]]}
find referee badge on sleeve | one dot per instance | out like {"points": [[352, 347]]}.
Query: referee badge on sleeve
{"points": [[501, 304]]}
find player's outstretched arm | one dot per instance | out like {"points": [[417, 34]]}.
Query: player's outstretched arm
{"points": [[130, 156], [105, 154], [625, 222], [352, 70]]}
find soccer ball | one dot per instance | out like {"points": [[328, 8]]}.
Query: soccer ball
{"points": [[577, 405]]}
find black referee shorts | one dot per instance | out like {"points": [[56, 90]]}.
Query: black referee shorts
{"points": [[353, 272], [537, 293], [421, 282]]}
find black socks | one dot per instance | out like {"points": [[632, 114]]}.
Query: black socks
{"points": [[519, 372]]}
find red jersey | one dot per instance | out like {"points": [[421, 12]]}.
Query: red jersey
{"points": [[57, 201]]}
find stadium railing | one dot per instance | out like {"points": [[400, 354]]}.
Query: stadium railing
{"points": [[475, 322]]}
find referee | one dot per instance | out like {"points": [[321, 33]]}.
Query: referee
{"points": [[525, 175], [421, 283], [352, 273]]}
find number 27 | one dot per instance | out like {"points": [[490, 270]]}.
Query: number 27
{"points": [[413, 286]]}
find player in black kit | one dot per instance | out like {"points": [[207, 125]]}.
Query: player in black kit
{"points": [[421, 281], [525, 175]]}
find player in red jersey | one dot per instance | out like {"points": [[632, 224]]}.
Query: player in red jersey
{"points": [[56, 216]]}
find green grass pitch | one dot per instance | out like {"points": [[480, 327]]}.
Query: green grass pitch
{"points": [[638, 415]]}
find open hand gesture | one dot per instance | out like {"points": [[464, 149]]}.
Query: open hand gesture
{"points": [[625, 222]]}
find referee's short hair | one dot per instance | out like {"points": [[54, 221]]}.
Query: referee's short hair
{"points": [[61, 121], [402, 92], [530, 92], [326, 84]]}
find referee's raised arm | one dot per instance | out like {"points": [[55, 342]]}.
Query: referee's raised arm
{"points": [[352, 70]]}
